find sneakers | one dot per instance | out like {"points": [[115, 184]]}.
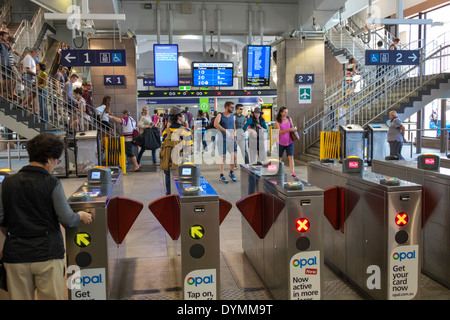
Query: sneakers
{"points": [[223, 179], [294, 176]]}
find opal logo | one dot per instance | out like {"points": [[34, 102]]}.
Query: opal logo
{"points": [[84, 281], [304, 262], [78, 280], [199, 280], [404, 255]]}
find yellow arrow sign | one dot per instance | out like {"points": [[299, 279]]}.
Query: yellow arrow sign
{"points": [[82, 239], [196, 232]]}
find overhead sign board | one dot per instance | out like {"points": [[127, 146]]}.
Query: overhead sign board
{"points": [[304, 78], [206, 93], [165, 65], [212, 74], [93, 58], [256, 66], [392, 57]]}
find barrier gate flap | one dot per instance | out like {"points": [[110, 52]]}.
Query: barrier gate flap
{"points": [[122, 212], [260, 210], [331, 206], [224, 209], [167, 211]]}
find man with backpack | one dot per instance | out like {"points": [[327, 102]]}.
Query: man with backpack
{"points": [[177, 144]]}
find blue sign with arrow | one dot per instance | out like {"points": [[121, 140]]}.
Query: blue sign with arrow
{"points": [[93, 58], [304, 78], [392, 57], [113, 80]]}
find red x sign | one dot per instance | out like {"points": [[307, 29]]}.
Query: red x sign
{"points": [[401, 219], [302, 225]]}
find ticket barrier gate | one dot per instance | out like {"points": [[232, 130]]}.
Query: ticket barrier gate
{"points": [[435, 181], [445, 162], [282, 231], [94, 251], [352, 140], [195, 213], [377, 147], [372, 236]]}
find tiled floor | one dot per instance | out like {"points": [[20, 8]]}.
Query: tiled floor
{"points": [[152, 262]]}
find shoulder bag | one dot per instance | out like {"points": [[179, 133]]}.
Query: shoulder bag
{"points": [[293, 134]]}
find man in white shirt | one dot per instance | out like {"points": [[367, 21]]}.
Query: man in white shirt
{"points": [[29, 67]]}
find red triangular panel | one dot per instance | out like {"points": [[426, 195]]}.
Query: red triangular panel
{"points": [[122, 212], [167, 211]]}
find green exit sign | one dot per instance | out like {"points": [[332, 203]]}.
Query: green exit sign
{"points": [[184, 88]]}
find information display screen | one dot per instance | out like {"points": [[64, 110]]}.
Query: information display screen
{"points": [[165, 63], [256, 66], [218, 74], [95, 175], [429, 161], [186, 172], [353, 164]]}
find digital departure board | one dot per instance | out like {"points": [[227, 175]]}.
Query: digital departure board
{"points": [[256, 66], [165, 62], [206, 74]]}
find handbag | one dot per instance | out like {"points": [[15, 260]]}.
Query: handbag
{"points": [[293, 134], [136, 131]]}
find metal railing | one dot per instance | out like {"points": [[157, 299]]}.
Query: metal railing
{"points": [[5, 12], [27, 33], [342, 38], [17, 140], [46, 104], [376, 92]]}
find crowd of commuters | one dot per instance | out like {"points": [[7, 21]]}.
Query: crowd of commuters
{"points": [[234, 136]]}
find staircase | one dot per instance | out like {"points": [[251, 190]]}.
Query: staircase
{"points": [[405, 89], [46, 111]]}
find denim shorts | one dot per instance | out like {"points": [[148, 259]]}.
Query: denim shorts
{"points": [[228, 145], [289, 149], [129, 149]]}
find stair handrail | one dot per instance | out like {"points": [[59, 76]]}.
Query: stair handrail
{"points": [[28, 31], [5, 10], [392, 78], [60, 112], [333, 95], [387, 39]]}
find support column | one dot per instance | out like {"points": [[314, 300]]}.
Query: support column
{"points": [[122, 96], [300, 56]]}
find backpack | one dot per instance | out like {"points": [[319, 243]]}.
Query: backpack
{"points": [[165, 153]]}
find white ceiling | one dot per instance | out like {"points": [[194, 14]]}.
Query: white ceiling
{"points": [[279, 18]]}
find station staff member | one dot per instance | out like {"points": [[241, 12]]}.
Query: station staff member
{"points": [[396, 135], [32, 206]]}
